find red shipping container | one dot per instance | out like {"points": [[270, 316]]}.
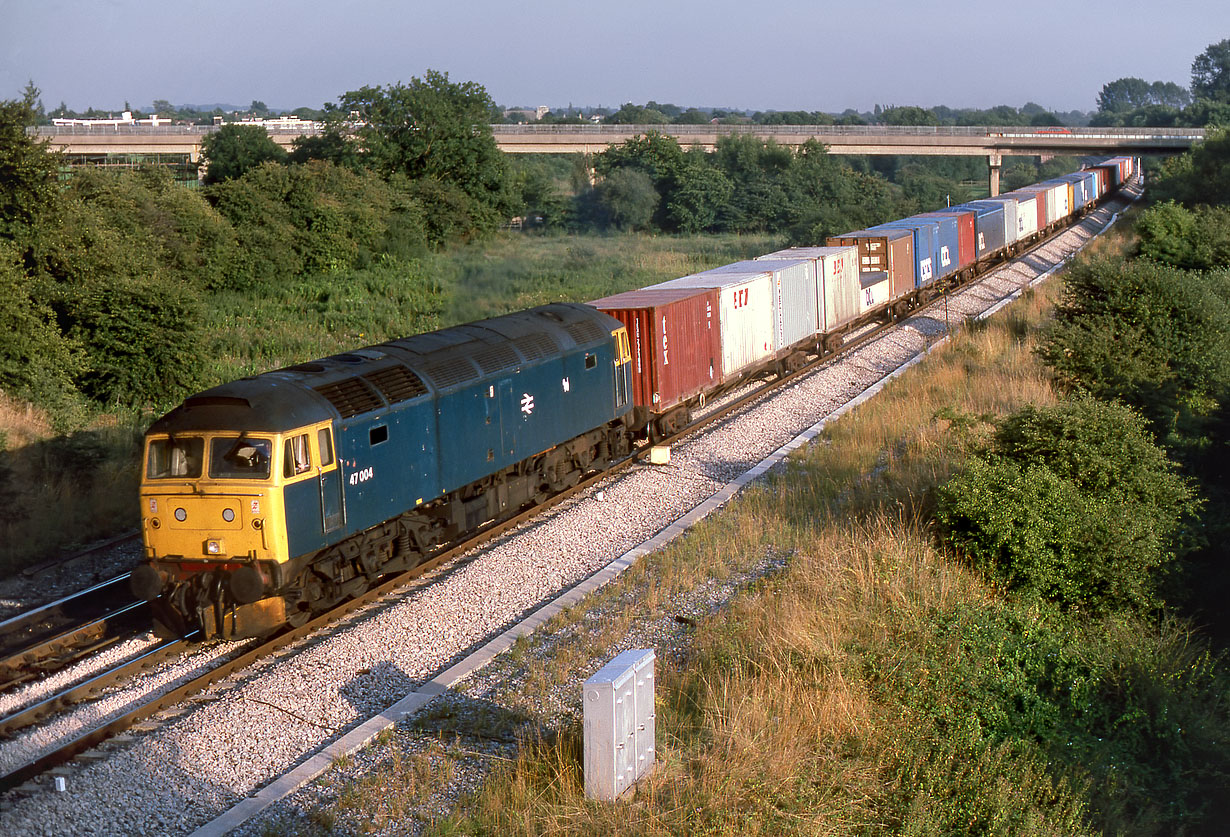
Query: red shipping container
{"points": [[676, 343], [965, 234]]}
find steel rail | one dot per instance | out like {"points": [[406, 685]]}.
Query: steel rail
{"points": [[47, 637]]}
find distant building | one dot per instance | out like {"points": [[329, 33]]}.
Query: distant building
{"points": [[111, 122], [529, 115]]}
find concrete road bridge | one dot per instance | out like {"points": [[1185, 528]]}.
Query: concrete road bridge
{"points": [[994, 143]]}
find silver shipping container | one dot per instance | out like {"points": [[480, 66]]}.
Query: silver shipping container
{"points": [[796, 303], [1011, 233], [1027, 215], [841, 298], [745, 313]]}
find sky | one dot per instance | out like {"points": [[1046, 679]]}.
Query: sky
{"points": [[773, 55]]}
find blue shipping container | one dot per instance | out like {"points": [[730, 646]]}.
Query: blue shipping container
{"points": [[947, 259], [926, 247]]}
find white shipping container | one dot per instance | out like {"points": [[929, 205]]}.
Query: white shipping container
{"points": [[1063, 206], [842, 299], [875, 290], [1027, 216], [745, 313], [797, 307]]}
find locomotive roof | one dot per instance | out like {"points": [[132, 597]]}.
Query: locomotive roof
{"points": [[371, 378]]}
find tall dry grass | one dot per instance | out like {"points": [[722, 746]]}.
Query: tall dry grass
{"points": [[57, 492]]}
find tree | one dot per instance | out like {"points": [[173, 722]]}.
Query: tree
{"points": [[1211, 72], [631, 114], [1169, 94], [1123, 94], [432, 128], [628, 198], [162, 107], [234, 149], [908, 115], [27, 169]]}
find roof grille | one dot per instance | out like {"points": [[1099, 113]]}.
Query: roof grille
{"points": [[396, 383], [536, 346], [450, 371], [585, 331], [493, 358], [351, 396]]}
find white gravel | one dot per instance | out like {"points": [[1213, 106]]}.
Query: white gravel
{"points": [[242, 734]]}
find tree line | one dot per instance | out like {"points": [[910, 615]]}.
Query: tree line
{"points": [[1134, 102]]}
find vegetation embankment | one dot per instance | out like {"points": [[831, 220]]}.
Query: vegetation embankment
{"points": [[990, 617]]}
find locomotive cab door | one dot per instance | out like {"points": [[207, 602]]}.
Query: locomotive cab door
{"points": [[332, 514]]}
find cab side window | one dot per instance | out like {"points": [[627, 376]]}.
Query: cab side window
{"points": [[324, 441], [298, 458]]}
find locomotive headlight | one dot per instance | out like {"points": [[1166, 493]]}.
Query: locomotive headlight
{"points": [[181, 515], [228, 515], [213, 547]]}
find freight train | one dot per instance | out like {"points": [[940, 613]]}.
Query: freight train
{"points": [[268, 499]]}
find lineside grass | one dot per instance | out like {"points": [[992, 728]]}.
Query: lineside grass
{"points": [[873, 685], [514, 272]]}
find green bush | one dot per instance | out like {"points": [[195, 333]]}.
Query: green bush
{"points": [[1128, 715], [1196, 239], [1072, 504], [1152, 336], [36, 361]]}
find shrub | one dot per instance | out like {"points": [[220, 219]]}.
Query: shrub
{"points": [[1154, 337], [1073, 504], [1196, 239]]}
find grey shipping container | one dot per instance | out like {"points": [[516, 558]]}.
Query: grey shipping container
{"points": [[837, 283], [796, 303]]}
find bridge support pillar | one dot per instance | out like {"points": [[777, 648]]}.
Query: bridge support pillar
{"points": [[994, 161]]}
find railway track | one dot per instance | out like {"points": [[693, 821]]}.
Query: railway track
{"points": [[111, 677], [47, 638]]}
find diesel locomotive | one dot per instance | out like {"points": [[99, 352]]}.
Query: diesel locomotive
{"points": [[270, 498]]}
